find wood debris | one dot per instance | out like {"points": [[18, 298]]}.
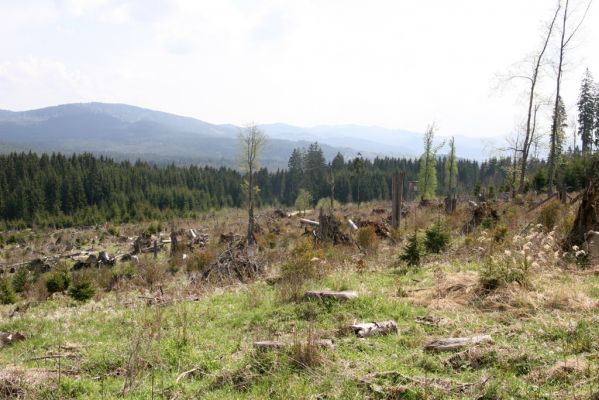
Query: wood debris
{"points": [[451, 344], [374, 328]]}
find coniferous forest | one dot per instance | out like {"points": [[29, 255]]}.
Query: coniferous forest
{"points": [[61, 191]]}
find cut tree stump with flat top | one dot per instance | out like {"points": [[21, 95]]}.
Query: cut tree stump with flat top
{"points": [[329, 294], [451, 344], [374, 328]]}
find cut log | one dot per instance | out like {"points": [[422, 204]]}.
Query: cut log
{"points": [[328, 294], [308, 222], [374, 328], [451, 344], [268, 345]]}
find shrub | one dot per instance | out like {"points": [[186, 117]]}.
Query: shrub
{"points": [[154, 228], [301, 267], [500, 233], [198, 262], [306, 355], [550, 214], [7, 293], [325, 203], [82, 289], [113, 231], [20, 279], [437, 238], [498, 272], [58, 281], [414, 251], [366, 238]]}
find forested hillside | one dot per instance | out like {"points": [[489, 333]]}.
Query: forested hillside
{"points": [[84, 190]]}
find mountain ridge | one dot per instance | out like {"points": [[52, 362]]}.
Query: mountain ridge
{"points": [[137, 132]]}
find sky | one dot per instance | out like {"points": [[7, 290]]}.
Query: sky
{"points": [[396, 64]]}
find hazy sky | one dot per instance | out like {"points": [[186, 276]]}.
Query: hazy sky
{"points": [[396, 64]]}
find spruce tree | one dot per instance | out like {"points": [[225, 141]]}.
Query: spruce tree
{"points": [[559, 120], [427, 176], [586, 112]]}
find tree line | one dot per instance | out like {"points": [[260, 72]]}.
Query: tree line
{"points": [[59, 190]]}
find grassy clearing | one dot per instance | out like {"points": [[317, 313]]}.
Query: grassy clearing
{"points": [[138, 340]]}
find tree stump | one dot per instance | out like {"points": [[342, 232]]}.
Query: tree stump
{"points": [[587, 217]]}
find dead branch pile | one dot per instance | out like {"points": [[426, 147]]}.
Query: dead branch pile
{"points": [[228, 237], [93, 261], [234, 263], [143, 242], [329, 230], [187, 239], [380, 229]]}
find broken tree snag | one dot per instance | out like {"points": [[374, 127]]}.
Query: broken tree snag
{"points": [[328, 294], [269, 345], [451, 344], [587, 217], [374, 328]]}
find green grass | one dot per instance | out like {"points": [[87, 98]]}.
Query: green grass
{"points": [[120, 335]]}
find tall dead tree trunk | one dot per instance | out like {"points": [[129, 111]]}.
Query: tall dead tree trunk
{"points": [[565, 41], [396, 198], [528, 137]]}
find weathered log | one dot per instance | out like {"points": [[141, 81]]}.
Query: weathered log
{"points": [[308, 222], [328, 294], [267, 345], [352, 225], [451, 344], [374, 328]]}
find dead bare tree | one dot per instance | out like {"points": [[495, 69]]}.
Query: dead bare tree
{"points": [[565, 41], [252, 141], [533, 109]]}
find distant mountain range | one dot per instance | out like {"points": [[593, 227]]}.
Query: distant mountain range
{"points": [[128, 132]]}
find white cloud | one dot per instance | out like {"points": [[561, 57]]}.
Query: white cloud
{"points": [[390, 63]]}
